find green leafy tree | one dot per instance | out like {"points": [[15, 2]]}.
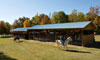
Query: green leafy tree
{"points": [[86, 17], [8, 27], [54, 13], [73, 16], [80, 16], [36, 20], [59, 17]]}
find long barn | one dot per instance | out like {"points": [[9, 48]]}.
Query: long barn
{"points": [[82, 32]]}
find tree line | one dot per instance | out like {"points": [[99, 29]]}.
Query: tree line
{"points": [[56, 18]]}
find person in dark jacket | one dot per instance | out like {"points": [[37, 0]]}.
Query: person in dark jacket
{"points": [[62, 39], [16, 37]]}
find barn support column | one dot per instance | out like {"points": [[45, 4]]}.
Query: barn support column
{"points": [[55, 34], [81, 34], [33, 35], [39, 35], [24, 35], [29, 35], [46, 35], [82, 38]]}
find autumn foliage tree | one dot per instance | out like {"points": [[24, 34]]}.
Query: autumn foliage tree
{"points": [[96, 22], [80, 16], [21, 20], [59, 17], [27, 23], [16, 24], [86, 17], [73, 16], [3, 28], [94, 15], [45, 20]]}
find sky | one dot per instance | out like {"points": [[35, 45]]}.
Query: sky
{"points": [[13, 9]]}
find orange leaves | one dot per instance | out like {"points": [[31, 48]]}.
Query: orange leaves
{"points": [[45, 20], [3, 27], [27, 23]]}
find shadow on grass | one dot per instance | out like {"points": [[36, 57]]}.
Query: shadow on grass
{"points": [[19, 41], [76, 43], [94, 45], [5, 57], [77, 51]]}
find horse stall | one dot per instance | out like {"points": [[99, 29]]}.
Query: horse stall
{"points": [[80, 32], [41, 35], [21, 32]]}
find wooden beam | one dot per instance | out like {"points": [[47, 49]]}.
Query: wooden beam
{"points": [[39, 35], [29, 35], [55, 34], [46, 35], [33, 34], [81, 38]]}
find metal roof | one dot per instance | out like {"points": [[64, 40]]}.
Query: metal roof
{"points": [[55, 26], [19, 29], [62, 25]]}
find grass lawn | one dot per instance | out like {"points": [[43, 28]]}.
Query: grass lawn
{"points": [[34, 50]]}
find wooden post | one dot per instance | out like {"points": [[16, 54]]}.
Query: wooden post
{"points": [[46, 35], [33, 34], [29, 34], [24, 35], [82, 42], [40, 36], [55, 34]]}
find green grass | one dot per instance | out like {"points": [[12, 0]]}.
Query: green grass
{"points": [[33, 50]]}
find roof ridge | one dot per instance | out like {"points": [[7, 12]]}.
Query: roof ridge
{"points": [[62, 23]]}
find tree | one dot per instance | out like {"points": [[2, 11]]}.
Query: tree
{"points": [[60, 17], [94, 15], [94, 11], [21, 20], [96, 22], [42, 16], [45, 20], [54, 13], [80, 16], [27, 23], [8, 27], [73, 16], [86, 17], [16, 24], [3, 28], [36, 20]]}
